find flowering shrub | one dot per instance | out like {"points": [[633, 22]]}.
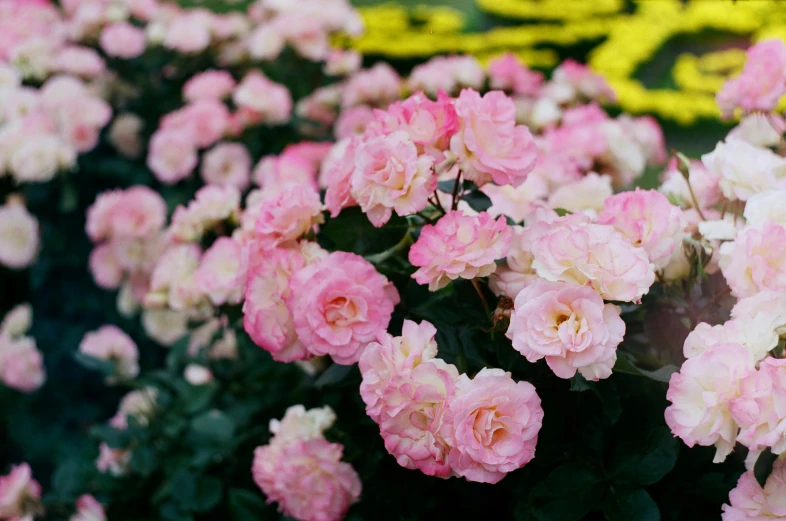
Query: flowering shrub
{"points": [[327, 291]]}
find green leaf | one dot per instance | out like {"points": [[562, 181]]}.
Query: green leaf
{"points": [[625, 365], [562, 212], [106, 367], [579, 383], [198, 397], [627, 504], [144, 460], [568, 493], [763, 467], [184, 488], [245, 505], [172, 512], [208, 493], [645, 465], [213, 427], [333, 375]]}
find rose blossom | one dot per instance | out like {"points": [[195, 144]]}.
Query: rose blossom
{"points": [[188, 32], [287, 215], [222, 272], [337, 177], [507, 73], [569, 326], [413, 404], [266, 101], [429, 124], [210, 84], [587, 194], [582, 81], [766, 206], [755, 260], [756, 334], [88, 509], [17, 322], [389, 175], [459, 246], [701, 395], [489, 144], [110, 343], [172, 156], [172, 281], [124, 134], [165, 326], [211, 205], [196, 374], [265, 42], [18, 235], [20, 494], [575, 251], [21, 364], [750, 502], [491, 425], [516, 202], [745, 169], [299, 424], [703, 183], [377, 86], [517, 272], [122, 40], [390, 356], [761, 82], [37, 159], [446, 73], [114, 461], [648, 220], [339, 305], [202, 122], [227, 164], [139, 404], [136, 212], [766, 308], [760, 409]]}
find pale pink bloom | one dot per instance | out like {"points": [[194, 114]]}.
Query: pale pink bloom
{"points": [[390, 356], [196, 374], [648, 220], [165, 326], [587, 194], [273, 173], [701, 395], [203, 122], [125, 134], [577, 252], [17, 322], [757, 334], [447, 73], [750, 502], [307, 479], [516, 202], [768, 308], [509, 74], [143, 10], [211, 84], [569, 326], [377, 86], [304, 32], [703, 182], [337, 177], [489, 144], [648, 134], [491, 425], [517, 271], [265, 42], [21, 364], [172, 155], [413, 404], [429, 124], [137, 212], [625, 158], [139, 404], [211, 205], [122, 40], [584, 83], [18, 235], [222, 272], [172, 279], [20, 494], [389, 175], [110, 343], [760, 410], [766, 206], [759, 129], [88, 509], [353, 121], [38, 159], [459, 246], [287, 215], [339, 305], [745, 169], [341, 62], [227, 164], [114, 461], [299, 424], [189, 32], [267, 102], [760, 84], [79, 61], [755, 260]]}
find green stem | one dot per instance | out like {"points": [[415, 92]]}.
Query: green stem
{"points": [[385, 255]]}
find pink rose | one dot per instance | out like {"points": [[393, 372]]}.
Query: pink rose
{"points": [[491, 425], [204, 122], [172, 156], [18, 236], [341, 62], [508, 74], [577, 252], [377, 86], [337, 177], [760, 409], [265, 42], [703, 183], [227, 164], [114, 461], [489, 144], [122, 40], [21, 364], [222, 272], [353, 121], [413, 404], [755, 260], [588, 194], [79, 61], [172, 281], [446, 73], [20, 494], [287, 215], [757, 335], [760, 84], [304, 32], [124, 134], [110, 343], [767, 308], [516, 202], [583, 81], [750, 502], [745, 169], [429, 124], [648, 220], [339, 305], [266, 101], [88, 509], [459, 246], [136, 212], [209, 85], [307, 479], [390, 356], [389, 175], [569, 326], [189, 32], [211, 205], [701, 395]]}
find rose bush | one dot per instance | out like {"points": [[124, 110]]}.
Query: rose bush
{"points": [[266, 281]]}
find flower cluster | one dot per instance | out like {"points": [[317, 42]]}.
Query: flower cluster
{"points": [[18, 234], [20, 494], [302, 471], [442, 423], [21, 364], [109, 343]]}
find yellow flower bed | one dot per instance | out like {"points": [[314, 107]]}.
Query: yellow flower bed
{"points": [[626, 41]]}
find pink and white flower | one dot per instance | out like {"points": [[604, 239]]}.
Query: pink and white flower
{"points": [[110, 343]]}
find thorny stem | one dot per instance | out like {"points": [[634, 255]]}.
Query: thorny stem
{"points": [[482, 298], [695, 201], [456, 185], [438, 203]]}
